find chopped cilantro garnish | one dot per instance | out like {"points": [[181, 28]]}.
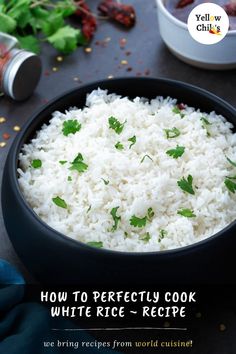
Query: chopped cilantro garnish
{"points": [[205, 124], [231, 162], [89, 208], [138, 222], [59, 202], [187, 213], [106, 182], [144, 157], [150, 214], [71, 127], [141, 222], [97, 244], [176, 110], [132, 140], [116, 218], [230, 185], [62, 162], [172, 133], [36, 163], [231, 177], [69, 178], [126, 235], [145, 238], [116, 125], [78, 164], [119, 146], [177, 152], [186, 184], [205, 121], [162, 234]]}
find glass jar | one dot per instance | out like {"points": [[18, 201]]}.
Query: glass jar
{"points": [[20, 70]]}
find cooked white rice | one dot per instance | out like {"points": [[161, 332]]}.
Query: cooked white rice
{"points": [[134, 186]]}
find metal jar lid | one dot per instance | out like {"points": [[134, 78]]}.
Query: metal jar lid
{"points": [[21, 75]]}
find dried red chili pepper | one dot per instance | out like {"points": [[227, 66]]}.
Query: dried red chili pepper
{"points": [[124, 14], [230, 9], [183, 3], [89, 22]]}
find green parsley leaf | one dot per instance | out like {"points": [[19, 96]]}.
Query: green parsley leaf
{"points": [[97, 244], [144, 157], [230, 185], [187, 213], [138, 222], [119, 146], [7, 23], [65, 39], [150, 214], [36, 163], [78, 164], [59, 202], [116, 218], [132, 140], [145, 238], [62, 162], [116, 125], [176, 110], [29, 43], [231, 162], [162, 234], [53, 23], [172, 133], [71, 127], [177, 152], [106, 182], [69, 178], [186, 184]]}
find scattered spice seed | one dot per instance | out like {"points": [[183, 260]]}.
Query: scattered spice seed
{"points": [[222, 327], [2, 144], [129, 69], [60, 59], [55, 69], [124, 62], [76, 79], [6, 136], [147, 72], [88, 50], [128, 53], [16, 128], [110, 76], [46, 73], [2, 120], [123, 42]]}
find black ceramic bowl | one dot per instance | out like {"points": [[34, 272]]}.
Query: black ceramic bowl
{"points": [[53, 257]]}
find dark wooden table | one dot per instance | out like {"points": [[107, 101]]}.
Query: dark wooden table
{"points": [[143, 54]]}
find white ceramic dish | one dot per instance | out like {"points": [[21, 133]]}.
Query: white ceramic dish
{"points": [[220, 56]]}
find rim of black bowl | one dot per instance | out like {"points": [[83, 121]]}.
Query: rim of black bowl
{"points": [[17, 144]]}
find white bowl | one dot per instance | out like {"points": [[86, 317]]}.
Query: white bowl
{"points": [[220, 56]]}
